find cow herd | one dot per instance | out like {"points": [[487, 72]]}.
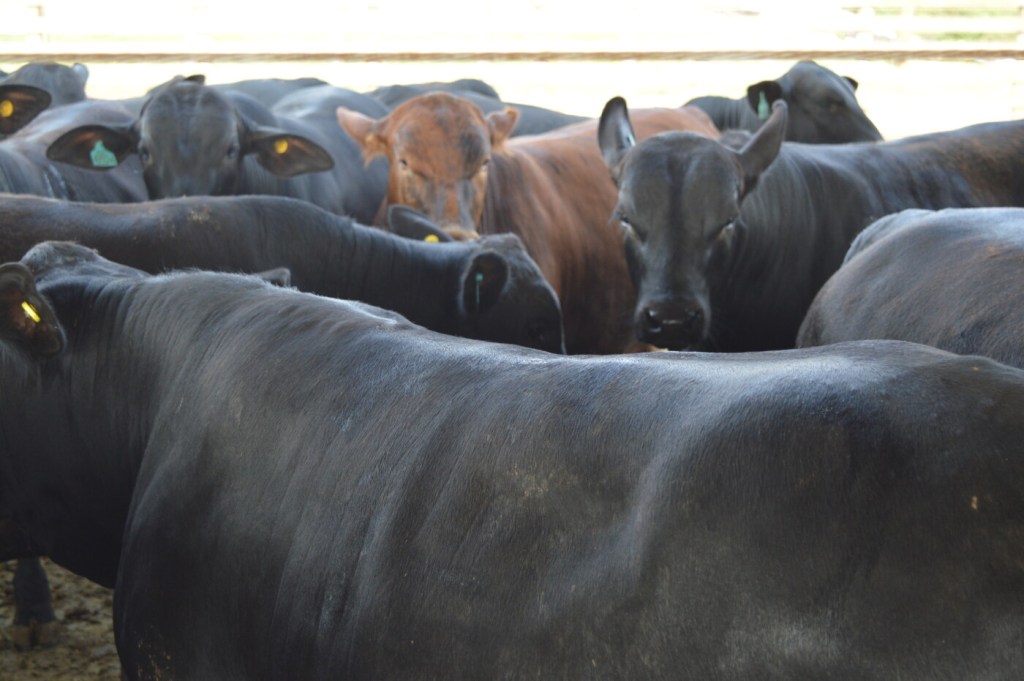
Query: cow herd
{"points": [[334, 384]]}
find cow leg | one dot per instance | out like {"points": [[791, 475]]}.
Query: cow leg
{"points": [[34, 621]]}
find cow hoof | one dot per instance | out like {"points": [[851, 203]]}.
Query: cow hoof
{"points": [[35, 635]]}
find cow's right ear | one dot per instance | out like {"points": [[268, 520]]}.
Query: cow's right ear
{"points": [[410, 223], [615, 134], [26, 318], [94, 147], [363, 130], [19, 104]]}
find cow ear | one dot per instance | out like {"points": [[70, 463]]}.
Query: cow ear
{"points": [[501, 124], [483, 281], [19, 104], [852, 83], [279, 276], [197, 78], [615, 134], [286, 154], [26, 318], [363, 130], [94, 147], [761, 96], [412, 224], [757, 154], [81, 72]]}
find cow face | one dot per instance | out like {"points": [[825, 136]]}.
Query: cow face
{"points": [[191, 141], [823, 107], [439, 147], [679, 203]]}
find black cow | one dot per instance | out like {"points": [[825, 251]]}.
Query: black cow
{"points": [[533, 120], [32, 127], [489, 289], [284, 486], [727, 248], [268, 91], [194, 139], [953, 279], [64, 84], [823, 107]]}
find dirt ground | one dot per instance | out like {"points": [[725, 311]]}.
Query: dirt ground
{"points": [[86, 646]]}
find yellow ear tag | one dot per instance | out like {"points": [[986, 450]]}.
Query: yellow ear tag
{"points": [[31, 312], [6, 108], [280, 146], [432, 239]]}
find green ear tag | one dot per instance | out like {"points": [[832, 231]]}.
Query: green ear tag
{"points": [[763, 108], [102, 157]]}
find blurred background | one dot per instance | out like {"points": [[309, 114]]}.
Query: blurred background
{"points": [[922, 65]]}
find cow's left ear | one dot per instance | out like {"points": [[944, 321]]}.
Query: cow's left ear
{"points": [[501, 124], [19, 104], [852, 83], [757, 154], [26, 318], [615, 134], [412, 224], [761, 96], [286, 154], [483, 281]]}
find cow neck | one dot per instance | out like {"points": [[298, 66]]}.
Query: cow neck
{"points": [[415, 279], [81, 420]]}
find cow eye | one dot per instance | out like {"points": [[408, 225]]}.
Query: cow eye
{"points": [[232, 152], [144, 155], [725, 230], [628, 229], [403, 163], [537, 332]]}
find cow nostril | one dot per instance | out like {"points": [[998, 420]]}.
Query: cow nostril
{"points": [[694, 318], [652, 321]]}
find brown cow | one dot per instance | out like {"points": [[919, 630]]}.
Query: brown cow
{"points": [[460, 167]]}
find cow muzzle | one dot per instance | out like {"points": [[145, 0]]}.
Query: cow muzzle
{"points": [[675, 327]]}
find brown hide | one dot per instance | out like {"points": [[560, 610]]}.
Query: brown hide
{"points": [[460, 167]]}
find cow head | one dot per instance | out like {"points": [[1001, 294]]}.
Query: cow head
{"points": [[823, 107], [26, 318], [19, 104], [439, 147], [502, 294], [65, 84], [680, 196], [191, 140]]}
